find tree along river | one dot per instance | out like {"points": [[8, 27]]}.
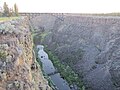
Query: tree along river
{"points": [[50, 70]]}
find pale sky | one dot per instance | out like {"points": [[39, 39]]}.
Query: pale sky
{"points": [[65, 6]]}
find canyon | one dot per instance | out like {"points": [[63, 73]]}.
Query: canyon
{"points": [[87, 43]]}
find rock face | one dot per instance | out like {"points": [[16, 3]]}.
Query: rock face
{"points": [[98, 37], [19, 69]]}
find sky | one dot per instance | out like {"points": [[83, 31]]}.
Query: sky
{"points": [[65, 6]]}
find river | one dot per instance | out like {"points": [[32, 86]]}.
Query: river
{"points": [[50, 70]]}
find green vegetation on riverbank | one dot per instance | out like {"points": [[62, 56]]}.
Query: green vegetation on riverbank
{"points": [[66, 72], [51, 84]]}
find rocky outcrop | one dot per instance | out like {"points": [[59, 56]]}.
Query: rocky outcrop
{"points": [[96, 37], [19, 69]]}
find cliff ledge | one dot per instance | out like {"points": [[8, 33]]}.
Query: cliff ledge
{"points": [[18, 67]]}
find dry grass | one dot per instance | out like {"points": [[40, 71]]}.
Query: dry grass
{"points": [[2, 19]]}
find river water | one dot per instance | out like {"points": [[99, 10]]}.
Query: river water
{"points": [[48, 68]]}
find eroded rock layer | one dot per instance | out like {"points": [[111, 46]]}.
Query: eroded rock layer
{"points": [[18, 67]]}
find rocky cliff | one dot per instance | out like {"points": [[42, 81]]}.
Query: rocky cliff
{"points": [[18, 67], [89, 44]]}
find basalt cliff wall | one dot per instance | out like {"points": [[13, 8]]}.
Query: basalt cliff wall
{"points": [[89, 44], [19, 69]]}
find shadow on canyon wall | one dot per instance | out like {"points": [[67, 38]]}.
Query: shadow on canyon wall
{"points": [[89, 44]]}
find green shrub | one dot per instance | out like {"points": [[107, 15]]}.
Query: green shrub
{"points": [[2, 55], [51, 84], [66, 72]]}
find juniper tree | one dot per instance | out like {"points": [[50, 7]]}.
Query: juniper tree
{"points": [[16, 9], [6, 10], [1, 12], [11, 12]]}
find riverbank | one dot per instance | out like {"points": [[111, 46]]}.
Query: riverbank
{"points": [[66, 72], [49, 69], [50, 83]]}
